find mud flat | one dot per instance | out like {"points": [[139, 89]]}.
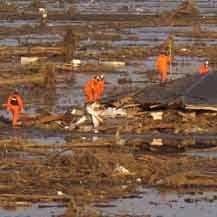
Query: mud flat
{"points": [[54, 174]]}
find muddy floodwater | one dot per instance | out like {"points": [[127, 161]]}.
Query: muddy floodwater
{"points": [[164, 203], [37, 210], [154, 154]]}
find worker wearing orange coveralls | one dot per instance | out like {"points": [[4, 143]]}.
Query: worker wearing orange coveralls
{"points": [[162, 65], [90, 89], [15, 104], [203, 69], [94, 88]]}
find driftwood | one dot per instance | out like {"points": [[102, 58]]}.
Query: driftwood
{"points": [[40, 119], [162, 126], [41, 148], [21, 80], [35, 198], [201, 108], [49, 118], [175, 104], [15, 203], [85, 67], [36, 50]]}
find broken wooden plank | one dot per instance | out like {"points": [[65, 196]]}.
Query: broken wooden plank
{"points": [[35, 198], [201, 107], [36, 50], [48, 118], [21, 80], [162, 126]]}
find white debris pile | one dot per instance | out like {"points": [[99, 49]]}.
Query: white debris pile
{"points": [[157, 115], [28, 60], [76, 62], [121, 171], [95, 113], [113, 112]]}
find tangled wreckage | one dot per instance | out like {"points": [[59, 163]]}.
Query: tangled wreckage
{"points": [[192, 100]]}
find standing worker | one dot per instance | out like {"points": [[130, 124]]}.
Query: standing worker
{"points": [[162, 65], [90, 90], [203, 69], [15, 104], [93, 89]]}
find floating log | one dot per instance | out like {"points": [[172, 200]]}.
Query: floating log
{"points": [[35, 198], [114, 63], [35, 78], [28, 60], [201, 108], [49, 118], [34, 50]]}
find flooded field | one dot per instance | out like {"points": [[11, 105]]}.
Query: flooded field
{"points": [[37, 210], [163, 203], [152, 140]]}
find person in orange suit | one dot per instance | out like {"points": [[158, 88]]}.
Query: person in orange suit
{"points": [[203, 69], [93, 88], [100, 86], [162, 65], [15, 104], [90, 89]]}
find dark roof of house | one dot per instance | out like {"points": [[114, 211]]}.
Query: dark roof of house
{"points": [[195, 90], [203, 91]]}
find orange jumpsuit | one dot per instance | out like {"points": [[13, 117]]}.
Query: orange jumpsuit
{"points": [[203, 69], [99, 88], [90, 90], [15, 105], [162, 66]]}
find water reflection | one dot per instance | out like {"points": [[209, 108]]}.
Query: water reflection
{"points": [[167, 204], [33, 211]]}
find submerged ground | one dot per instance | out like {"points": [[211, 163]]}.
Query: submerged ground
{"points": [[135, 165]]}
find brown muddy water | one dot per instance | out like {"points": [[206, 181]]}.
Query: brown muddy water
{"points": [[99, 41], [37, 210], [163, 203]]}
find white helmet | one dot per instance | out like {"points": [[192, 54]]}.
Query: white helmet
{"points": [[101, 77], [97, 77]]}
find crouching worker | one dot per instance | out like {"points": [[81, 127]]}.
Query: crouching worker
{"points": [[15, 105], [92, 114], [94, 111]]}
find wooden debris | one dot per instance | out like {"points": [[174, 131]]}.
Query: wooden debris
{"points": [[34, 198], [36, 50], [157, 115], [156, 142], [49, 118], [28, 60], [36, 78], [201, 108]]}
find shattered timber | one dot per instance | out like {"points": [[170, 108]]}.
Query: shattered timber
{"points": [[142, 134]]}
